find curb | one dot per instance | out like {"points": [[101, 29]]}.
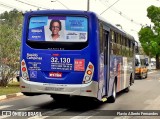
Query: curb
{"points": [[3, 97]]}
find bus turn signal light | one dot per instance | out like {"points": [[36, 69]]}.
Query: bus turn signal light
{"points": [[89, 72], [90, 66], [23, 69], [23, 63]]}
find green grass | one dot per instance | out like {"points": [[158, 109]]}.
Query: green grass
{"points": [[12, 87]]}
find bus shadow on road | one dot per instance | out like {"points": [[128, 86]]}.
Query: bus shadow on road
{"points": [[73, 104]]}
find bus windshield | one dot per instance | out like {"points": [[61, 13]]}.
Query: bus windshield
{"points": [[58, 32]]}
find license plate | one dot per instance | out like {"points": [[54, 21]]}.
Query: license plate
{"points": [[53, 89]]}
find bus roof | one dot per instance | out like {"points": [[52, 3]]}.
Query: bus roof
{"points": [[114, 27], [58, 11]]}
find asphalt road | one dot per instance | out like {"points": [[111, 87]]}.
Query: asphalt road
{"points": [[144, 95]]}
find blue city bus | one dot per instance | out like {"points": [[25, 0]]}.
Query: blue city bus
{"points": [[90, 56]]}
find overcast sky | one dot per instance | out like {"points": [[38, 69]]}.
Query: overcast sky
{"points": [[130, 14]]}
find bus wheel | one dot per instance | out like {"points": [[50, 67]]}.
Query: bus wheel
{"points": [[128, 88], [112, 98], [60, 98]]}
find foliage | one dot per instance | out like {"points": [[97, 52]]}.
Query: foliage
{"points": [[10, 34], [12, 87], [150, 36]]}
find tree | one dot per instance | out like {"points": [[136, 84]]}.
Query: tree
{"points": [[150, 36], [10, 35]]}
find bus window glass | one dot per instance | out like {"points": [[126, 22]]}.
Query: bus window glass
{"points": [[112, 35], [58, 29], [101, 38]]}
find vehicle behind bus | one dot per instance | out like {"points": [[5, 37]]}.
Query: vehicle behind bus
{"points": [[141, 70]]}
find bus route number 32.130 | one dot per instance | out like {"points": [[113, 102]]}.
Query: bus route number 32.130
{"points": [[60, 60]]}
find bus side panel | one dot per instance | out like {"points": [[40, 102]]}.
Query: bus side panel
{"points": [[103, 62], [97, 58], [94, 48], [126, 77], [120, 69], [102, 77], [130, 70], [24, 35], [94, 41], [118, 73]]}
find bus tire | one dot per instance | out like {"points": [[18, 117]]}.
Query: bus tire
{"points": [[127, 89], [112, 98], [60, 98]]}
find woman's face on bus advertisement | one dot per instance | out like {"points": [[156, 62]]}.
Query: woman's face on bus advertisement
{"points": [[55, 28]]}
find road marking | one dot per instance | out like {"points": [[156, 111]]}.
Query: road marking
{"points": [[51, 113], [54, 112], [153, 104], [28, 108], [149, 80], [152, 72], [3, 117], [123, 117], [84, 115], [38, 117], [5, 106]]}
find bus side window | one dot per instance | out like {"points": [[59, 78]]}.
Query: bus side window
{"points": [[119, 44], [111, 42], [127, 47], [105, 40], [123, 46], [115, 44], [101, 38], [130, 50]]}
